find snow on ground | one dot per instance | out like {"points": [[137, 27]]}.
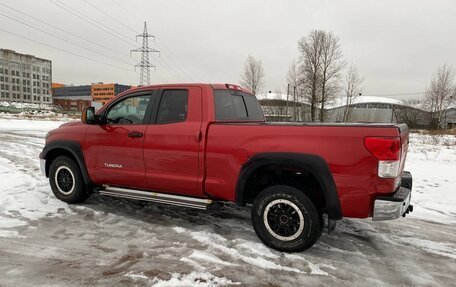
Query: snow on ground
{"points": [[433, 162], [112, 242], [19, 105], [40, 115]]}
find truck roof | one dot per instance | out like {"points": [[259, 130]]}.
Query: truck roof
{"points": [[217, 86]]}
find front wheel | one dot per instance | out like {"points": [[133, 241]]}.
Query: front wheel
{"points": [[284, 218], [66, 180]]}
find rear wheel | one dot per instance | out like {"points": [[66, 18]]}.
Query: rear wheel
{"points": [[284, 218], [66, 180]]}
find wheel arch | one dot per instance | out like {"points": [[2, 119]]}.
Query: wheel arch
{"points": [[314, 165], [71, 149]]}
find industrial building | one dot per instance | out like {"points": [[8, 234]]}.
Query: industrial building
{"points": [[25, 78], [60, 91], [72, 98], [104, 92], [76, 98], [362, 109]]}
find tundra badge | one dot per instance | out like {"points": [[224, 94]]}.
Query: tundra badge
{"points": [[113, 165]]}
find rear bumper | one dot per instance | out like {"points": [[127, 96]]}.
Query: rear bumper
{"points": [[396, 205]]}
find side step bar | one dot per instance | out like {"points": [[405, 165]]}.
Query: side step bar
{"points": [[192, 202]]}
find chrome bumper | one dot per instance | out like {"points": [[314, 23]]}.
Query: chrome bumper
{"points": [[43, 166], [393, 207]]}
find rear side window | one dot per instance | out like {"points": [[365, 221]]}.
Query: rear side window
{"points": [[173, 107], [236, 106], [229, 107], [254, 108]]}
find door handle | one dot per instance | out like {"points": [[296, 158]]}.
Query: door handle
{"points": [[135, 134]]}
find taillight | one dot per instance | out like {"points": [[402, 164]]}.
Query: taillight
{"points": [[388, 152]]}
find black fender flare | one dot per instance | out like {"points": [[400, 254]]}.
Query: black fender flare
{"points": [[72, 147], [311, 163]]}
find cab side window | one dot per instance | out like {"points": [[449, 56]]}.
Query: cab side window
{"points": [[173, 107], [129, 111]]}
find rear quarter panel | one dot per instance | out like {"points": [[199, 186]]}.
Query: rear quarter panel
{"points": [[354, 169]]}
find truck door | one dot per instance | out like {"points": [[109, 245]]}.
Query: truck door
{"points": [[114, 151], [173, 143]]}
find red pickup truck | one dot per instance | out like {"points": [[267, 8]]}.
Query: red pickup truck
{"points": [[195, 145]]}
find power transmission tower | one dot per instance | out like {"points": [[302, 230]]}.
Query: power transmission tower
{"points": [[145, 65]]}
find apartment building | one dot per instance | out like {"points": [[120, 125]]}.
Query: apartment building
{"points": [[25, 78]]}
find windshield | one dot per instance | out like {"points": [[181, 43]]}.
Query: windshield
{"points": [[236, 106]]}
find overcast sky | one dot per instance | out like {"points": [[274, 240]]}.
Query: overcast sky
{"points": [[396, 45]]}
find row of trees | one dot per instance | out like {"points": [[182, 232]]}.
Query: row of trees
{"points": [[315, 77], [320, 74]]}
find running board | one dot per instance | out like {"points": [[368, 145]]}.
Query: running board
{"points": [[178, 200]]}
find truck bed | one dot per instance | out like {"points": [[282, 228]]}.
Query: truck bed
{"points": [[341, 145]]}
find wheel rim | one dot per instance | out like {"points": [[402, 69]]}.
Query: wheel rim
{"points": [[64, 180], [283, 219]]}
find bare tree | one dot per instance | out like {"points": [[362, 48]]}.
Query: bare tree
{"points": [[440, 95], [296, 89], [352, 89], [320, 64], [293, 74], [310, 48], [295, 80], [331, 64], [253, 76]]}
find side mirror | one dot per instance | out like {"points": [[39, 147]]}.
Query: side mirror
{"points": [[88, 116]]}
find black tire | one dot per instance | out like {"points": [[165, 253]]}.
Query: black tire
{"points": [[70, 191], [277, 202]]}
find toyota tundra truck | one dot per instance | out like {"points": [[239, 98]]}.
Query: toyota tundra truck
{"points": [[199, 145]]}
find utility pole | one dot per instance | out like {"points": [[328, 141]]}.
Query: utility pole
{"points": [[286, 110], [295, 101], [145, 65]]}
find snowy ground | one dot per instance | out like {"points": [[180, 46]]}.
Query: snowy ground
{"points": [[112, 242], [40, 115]]}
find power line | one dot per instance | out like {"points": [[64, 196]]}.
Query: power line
{"points": [[94, 22], [168, 67], [72, 34], [174, 63], [63, 39], [65, 31], [91, 21], [65, 51], [173, 56], [128, 11], [162, 61], [180, 70], [113, 18], [98, 24], [127, 37]]}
